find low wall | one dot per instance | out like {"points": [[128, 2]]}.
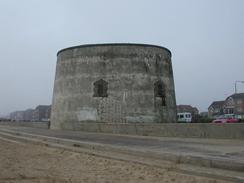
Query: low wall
{"points": [[192, 130], [27, 124]]}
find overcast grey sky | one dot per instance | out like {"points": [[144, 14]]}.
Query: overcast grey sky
{"points": [[206, 38]]}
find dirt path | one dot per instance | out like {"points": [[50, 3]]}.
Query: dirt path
{"points": [[28, 163]]}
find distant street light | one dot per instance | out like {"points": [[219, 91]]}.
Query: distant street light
{"points": [[236, 84]]}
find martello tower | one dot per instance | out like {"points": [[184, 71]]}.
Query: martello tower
{"points": [[113, 83]]}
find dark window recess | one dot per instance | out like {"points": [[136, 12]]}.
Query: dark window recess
{"points": [[100, 88], [159, 91]]}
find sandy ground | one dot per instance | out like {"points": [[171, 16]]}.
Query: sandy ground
{"points": [[28, 163]]}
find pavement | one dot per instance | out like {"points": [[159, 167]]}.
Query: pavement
{"points": [[210, 153]]}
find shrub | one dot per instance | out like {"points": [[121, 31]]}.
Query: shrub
{"points": [[203, 120]]}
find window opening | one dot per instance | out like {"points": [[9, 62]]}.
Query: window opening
{"points": [[159, 91], [100, 88]]}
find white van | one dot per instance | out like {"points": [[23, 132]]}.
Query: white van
{"points": [[184, 117]]}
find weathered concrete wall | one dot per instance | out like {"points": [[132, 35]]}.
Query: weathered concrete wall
{"points": [[185, 130], [189, 130], [132, 75], [27, 124]]}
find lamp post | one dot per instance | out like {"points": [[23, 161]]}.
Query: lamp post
{"points": [[236, 85]]}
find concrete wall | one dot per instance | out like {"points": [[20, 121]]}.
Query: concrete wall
{"points": [[130, 71], [192, 130], [44, 125]]}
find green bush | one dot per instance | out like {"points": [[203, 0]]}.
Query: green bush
{"points": [[202, 120]]}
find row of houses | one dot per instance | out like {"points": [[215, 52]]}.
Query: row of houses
{"points": [[40, 113], [232, 106]]}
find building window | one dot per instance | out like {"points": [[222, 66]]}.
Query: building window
{"points": [[216, 110], [230, 111], [159, 91], [239, 109], [100, 88]]}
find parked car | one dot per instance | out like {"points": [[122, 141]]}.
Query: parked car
{"points": [[184, 117], [225, 120]]}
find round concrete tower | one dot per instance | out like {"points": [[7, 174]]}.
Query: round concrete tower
{"points": [[113, 83]]}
